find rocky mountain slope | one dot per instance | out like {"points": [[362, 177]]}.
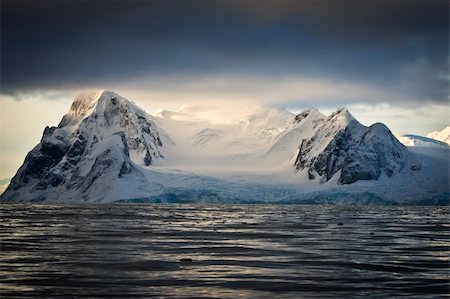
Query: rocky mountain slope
{"points": [[96, 144], [341, 146]]}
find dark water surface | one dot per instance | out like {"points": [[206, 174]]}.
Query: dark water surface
{"points": [[261, 251]]}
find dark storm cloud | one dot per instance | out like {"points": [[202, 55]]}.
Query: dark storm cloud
{"points": [[395, 44]]}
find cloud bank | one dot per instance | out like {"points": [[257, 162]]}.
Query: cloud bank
{"points": [[309, 51]]}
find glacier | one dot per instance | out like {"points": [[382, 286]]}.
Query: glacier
{"points": [[107, 149]]}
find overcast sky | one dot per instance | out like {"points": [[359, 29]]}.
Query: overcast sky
{"points": [[385, 59]]}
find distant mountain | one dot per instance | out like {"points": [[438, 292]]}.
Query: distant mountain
{"points": [[106, 149], [443, 135], [420, 141]]}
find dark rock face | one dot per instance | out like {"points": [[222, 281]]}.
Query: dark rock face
{"points": [[148, 158], [357, 166], [100, 166], [40, 160], [358, 152], [124, 142], [124, 170], [77, 149], [299, 117], [149, 140], [50, 179], [54, 150], [38, 164]]}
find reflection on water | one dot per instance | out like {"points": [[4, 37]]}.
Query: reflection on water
{"points": [[236, 250]]}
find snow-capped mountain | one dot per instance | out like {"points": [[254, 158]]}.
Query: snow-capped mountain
{"points": [[420, 141], [100, 140], [341, 146], [107, 149], [443, 135]]}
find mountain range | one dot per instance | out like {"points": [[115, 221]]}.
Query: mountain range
{"points": [[107, 149]]}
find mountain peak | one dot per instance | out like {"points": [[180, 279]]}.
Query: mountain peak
{"points": [[82, 105], [84, 101], [108, 94], [87, 102], [342, 111], [342, 116], [307, 112]]}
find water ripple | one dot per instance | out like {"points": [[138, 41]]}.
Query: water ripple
{"points": [[223, 251]]}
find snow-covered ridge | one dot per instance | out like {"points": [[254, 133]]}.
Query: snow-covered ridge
{"points": [[420, 141], [108, 149], [436, 139], [443, 135]]}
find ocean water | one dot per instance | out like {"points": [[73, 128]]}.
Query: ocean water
{"points": [[223, 251]]}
